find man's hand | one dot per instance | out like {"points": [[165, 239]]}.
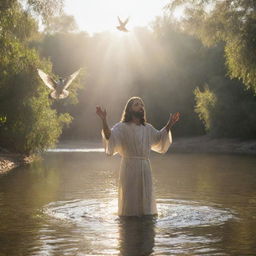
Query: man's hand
{"points": [[101, 113], [173, 119]]}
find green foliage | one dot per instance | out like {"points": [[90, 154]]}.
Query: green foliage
{"points": [[44, 8], [230, 21], [28, 123], [226, 109], [31, 125], [61, 24], [47, 126], [205, 104], [14, 22]]}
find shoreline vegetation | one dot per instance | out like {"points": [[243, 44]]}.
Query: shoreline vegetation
{"points": [[9, 160], [196, 144]]}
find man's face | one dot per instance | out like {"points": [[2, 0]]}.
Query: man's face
{"points": [[138, 108]]}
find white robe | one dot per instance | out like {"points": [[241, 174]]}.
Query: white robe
{"points": [[136, 196]]}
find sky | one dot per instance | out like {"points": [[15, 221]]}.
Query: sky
{"points": [[101, 15]]}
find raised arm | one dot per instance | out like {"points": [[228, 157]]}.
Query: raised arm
{"points": [[103, 116], [172, 120], [162, 139], [112, 138]]}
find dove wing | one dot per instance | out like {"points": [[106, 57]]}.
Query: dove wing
{"points": [[70, 79], [49, 82], [125, 22], [120, 22]]}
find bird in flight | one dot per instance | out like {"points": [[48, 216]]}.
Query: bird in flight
{"points": [[122, 25], [59, 88]]}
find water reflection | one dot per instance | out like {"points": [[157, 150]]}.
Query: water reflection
{"points": [[136, 235], [67, 205]]}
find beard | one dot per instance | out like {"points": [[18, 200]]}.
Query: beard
{"points": [[138, 114]]}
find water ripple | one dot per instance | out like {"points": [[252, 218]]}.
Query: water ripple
{"points": [[181, 213], [171, 233], [171, 213]]}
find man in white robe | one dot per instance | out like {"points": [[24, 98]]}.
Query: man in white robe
{"points": [[133, 139]]}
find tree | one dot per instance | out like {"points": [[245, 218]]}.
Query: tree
{"points": [[27, 122], [230, 21], [61, 24], [44, 8], [226, 109]]}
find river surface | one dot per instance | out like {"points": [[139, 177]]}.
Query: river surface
{"points": [[66, 204]]}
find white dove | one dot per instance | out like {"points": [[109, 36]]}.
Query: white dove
{"points": [[59, 87], [122, 25]]}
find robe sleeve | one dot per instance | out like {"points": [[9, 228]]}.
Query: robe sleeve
{"points": [[112, 145], [160, 139]]}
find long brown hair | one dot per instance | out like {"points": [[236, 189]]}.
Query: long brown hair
{"points": [[127, 113]]}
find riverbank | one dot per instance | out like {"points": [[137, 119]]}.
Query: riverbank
{"points": [[199, 144], [10, 160], [206, 144]]}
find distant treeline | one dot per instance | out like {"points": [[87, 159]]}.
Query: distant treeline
{"points": [[169, 65]]}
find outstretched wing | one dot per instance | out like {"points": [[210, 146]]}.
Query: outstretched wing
{"points": [[70, 79], [120, 22], [125, 22], [49, 82]]}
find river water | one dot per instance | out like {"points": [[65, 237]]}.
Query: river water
{"points": [[66, 204]]}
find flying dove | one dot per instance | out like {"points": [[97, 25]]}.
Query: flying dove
{"points": [[59, 88], [122, 25]]}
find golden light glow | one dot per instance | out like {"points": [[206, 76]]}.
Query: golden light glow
{"points": [[101, 15]]}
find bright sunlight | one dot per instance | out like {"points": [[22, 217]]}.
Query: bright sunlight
{"points": [[101, 15]]}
